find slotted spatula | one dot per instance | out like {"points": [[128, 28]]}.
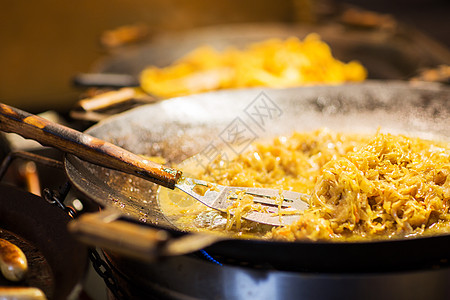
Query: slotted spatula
{"points": [[221, 197], [105, 154]]}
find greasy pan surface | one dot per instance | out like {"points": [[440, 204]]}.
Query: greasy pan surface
{"points": [[179, 128]]}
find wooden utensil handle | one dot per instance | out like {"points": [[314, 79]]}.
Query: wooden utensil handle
{"points": [[21, 293], [13, 262], [84, 146]]}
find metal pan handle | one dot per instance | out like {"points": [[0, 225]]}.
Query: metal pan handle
{"points": [[84, 146], [104, 229]]}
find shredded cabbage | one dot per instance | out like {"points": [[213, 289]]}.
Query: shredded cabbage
{"points": [[273, 63], [361, 186]]}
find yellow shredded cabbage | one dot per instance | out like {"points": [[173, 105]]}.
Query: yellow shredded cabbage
{"points": [[272, 63], [242, 204], [361, 186]]}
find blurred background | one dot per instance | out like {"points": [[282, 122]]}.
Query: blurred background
{"points": [[43, 44]]}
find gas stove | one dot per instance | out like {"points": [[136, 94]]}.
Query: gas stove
{"points": [[34, 217]]}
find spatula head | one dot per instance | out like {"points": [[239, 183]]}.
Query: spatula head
{"points": [[276, 207]]}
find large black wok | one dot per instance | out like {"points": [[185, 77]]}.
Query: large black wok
{"points": [[57, 262], [398, 53], [179, 128]]}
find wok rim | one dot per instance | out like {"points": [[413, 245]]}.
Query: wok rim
{"points": [[224, 246], [69, 167]]}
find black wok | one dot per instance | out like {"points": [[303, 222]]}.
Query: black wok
{"points": [[179, 128], [32, 219], [387, 54]]}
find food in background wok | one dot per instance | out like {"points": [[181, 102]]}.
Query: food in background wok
{"points": [[272, 63], [361, 186]]}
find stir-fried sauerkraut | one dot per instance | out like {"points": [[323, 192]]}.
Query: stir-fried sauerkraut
{"points": [[273, 63], [361, 186]]}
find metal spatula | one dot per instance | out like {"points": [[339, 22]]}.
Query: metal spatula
{"points": [[277, 207], [105, 154]]}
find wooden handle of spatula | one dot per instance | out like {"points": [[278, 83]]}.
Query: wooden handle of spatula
{"points": [[84, 146]]}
